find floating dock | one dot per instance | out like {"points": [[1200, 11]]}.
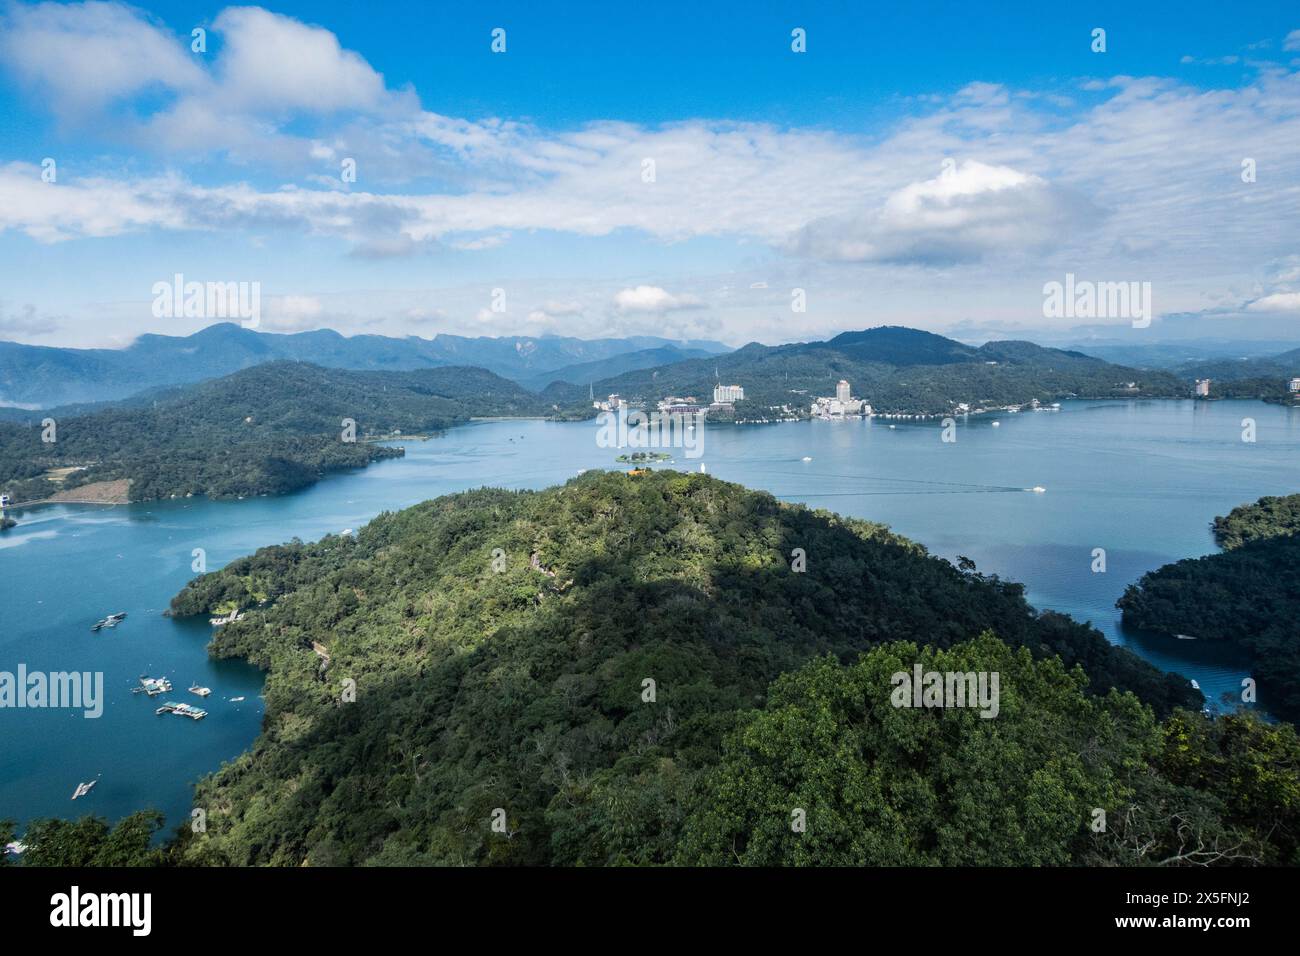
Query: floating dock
{"points": [[182, 710], [153, 686]]}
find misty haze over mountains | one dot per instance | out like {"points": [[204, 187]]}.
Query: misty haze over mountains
{"points": [[40, 376], [43, 377]]}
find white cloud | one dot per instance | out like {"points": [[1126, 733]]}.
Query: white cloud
{"points": [[962, 215], [651, 298], [85, 55], [271, 62], [1041, 186], [1277, 302], [1292, 41]]}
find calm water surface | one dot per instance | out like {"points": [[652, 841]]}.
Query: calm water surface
{"points": [[1140, 479]]}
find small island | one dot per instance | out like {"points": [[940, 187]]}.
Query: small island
{"points": [[644, 457]]}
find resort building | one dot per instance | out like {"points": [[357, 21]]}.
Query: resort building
{"points": [[842, 405], [727, 394]]}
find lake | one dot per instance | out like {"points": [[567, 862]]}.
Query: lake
{"points": [[1141, 480]]}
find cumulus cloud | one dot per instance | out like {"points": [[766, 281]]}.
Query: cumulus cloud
{"points": [[85, 55], [1040, 184], [1277, 302], [968, 212], [653, 299]]}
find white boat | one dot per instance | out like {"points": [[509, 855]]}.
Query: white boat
{"points": [[805, 458], [236, 700], [997, 424], [84, 788], [1195, 686], [201, 691], [1038, 489]]}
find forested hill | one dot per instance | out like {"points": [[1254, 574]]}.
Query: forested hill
{"points": [[896, 370], [576, 657], [266, 430], [1248, 595]]}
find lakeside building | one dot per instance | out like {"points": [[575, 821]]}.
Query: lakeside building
{"points": [[1202, 388], [612, 404], [672, 405], [842, 405], [728, 394], [1293, 385]]}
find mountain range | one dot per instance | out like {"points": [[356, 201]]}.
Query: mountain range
{"points": [[42, 376], [897, 370]]}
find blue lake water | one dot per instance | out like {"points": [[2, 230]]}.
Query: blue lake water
{"points": [[1141, 480]]}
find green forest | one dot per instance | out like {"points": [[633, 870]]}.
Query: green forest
{"points": [[667, 669], [269, 429], [1249, 595]]}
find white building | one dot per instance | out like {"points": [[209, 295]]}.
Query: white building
{"points": [[1294, 385], [726, 394], [841, 405], [1202, 388]]}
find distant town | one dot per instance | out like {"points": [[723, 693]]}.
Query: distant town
{"points": [[843, 404]]}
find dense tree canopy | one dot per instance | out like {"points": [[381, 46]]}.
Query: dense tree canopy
{"points": [[631, 670], [525, 689], [91, 841], [830, 772], [1248, 595], [270, 429]]}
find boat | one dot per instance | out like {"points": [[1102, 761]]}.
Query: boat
{"points": [[84, 788], [1195, 686], [805, 458], [153, 686], [1038, 489], [1184, 637], [201, 691], [236, 700], [182, 710], [997, 424]]}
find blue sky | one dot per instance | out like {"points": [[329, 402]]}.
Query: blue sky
{"points": [[924, 164]]}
